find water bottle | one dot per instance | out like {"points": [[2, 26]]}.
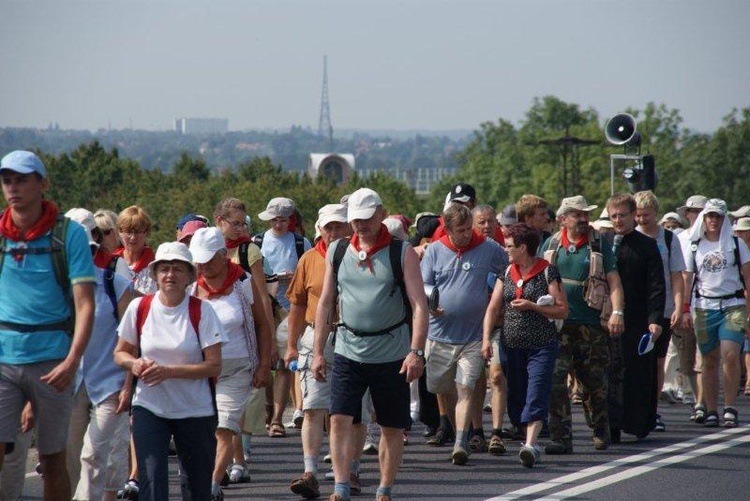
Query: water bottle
{"points": [[293, 365]]}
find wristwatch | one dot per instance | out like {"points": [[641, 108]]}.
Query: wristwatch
{"points": [[417, 352], [617, 312]]}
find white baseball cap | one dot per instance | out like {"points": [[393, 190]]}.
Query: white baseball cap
{"points": [[330, 213], [86, 219], [206, 243], [171, 251], [362, 204]]}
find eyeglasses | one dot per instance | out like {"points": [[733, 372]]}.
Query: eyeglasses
{"points": [[107, 232], [234, 224], [133, 233]]}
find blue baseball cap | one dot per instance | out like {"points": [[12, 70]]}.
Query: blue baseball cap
{"points": [[23, 162]]}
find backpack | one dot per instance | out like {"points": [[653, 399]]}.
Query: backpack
{"points": [[596, 291], [59, 257], [394, 255], [109, 285], [739, 293], [194, 311], [299, 243]]}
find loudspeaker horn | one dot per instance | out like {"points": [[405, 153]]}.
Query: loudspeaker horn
{"points": [[621, 130]]}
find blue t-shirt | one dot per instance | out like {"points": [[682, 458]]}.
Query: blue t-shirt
{"points": [[31, 296], [462, 283], [281, 255], [98, 370]]}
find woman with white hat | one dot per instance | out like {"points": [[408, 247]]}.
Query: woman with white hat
{"points": [[171, 342], [228, 288]]}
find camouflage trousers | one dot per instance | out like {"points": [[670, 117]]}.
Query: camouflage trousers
{"points": [[585, 350]]}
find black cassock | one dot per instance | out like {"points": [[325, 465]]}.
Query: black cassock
{"points": [[632, 377]]}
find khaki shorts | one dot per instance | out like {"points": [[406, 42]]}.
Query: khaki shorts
{"points": [[233, 391], [315, 394], [452, 364], [282, 335], [498, 356], [51, 408]]}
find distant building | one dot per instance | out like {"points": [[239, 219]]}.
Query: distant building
{"points": [[336, 166], [201, 125]]}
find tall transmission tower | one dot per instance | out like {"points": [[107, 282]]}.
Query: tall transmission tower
{"points": [[324, 124]]}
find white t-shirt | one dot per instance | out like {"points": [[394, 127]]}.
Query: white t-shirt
{"points": [[717, 273], [229, 310], [168, 338]]}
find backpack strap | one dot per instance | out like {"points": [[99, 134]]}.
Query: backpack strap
{"points": [[258, 240], [668, 237], [194, 309], [553, 248], [737, 261], [242, 254], [109, 284], [144, 307], [299, 244], [397, 267]]}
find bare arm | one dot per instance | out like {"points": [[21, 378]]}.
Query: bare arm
{"points": [[617, 296], [490, 318], [678, 294], [413, 365], [746, 277], [62, 376], [126, 392], [296, 320], [264, 326], [260, 294], [323, 317]]}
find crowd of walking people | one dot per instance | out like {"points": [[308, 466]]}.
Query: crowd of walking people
{"points": [[113, 354]]}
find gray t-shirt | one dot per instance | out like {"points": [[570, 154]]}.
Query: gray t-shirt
{"points": [[369, 302], [673, 262]]}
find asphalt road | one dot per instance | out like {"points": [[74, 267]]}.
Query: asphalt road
{"points": [[686, 462]]}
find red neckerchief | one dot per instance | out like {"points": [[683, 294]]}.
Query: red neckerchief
{"points": [[231, 244], [147, 255], [383, 241], [102, 258], [321, 247], [40, 228], [476, 239], [515, 275], [292, 224], [499, 237], [45, 223], [439, 231], [582, 240], [234, 272]]}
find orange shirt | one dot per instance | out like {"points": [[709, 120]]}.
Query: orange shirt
{"points": [[307, 283]]}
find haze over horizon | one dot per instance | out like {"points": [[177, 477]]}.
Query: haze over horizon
{"points": [[406, 65]]}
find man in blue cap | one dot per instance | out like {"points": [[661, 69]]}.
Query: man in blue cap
{"points": [[46, 314]]}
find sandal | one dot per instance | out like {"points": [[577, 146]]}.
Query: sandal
{"points": [[699, 414], [730, 417], [276, 430], [712, 420]]}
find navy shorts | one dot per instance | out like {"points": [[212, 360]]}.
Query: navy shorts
{"points": [[389, 391]]}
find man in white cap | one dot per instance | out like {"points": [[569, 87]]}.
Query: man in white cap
{"points": [[303, 293], [39, 348], [584, 343], [375, 346], [691, 361], [718, 270], [281, 248]]}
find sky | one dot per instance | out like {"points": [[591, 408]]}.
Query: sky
{"points": [[406, 64]]}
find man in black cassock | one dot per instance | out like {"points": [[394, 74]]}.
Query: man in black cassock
{"points": [[632, 379]]}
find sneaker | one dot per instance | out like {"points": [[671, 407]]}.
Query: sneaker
{"points": [[699, 414], [238, 474], [712, 420], [298, 418], [669, 396], [487, 408], [559, 447], [659, 424], [514, 433], [370, 448], [219, 496], [130, 490], [529, 455], [730, 417], [460, 456], [688, 398], [497, 446], [429, 431], [355, 486], [440, 438], [306, 486], [329, 475], [327, 459]]}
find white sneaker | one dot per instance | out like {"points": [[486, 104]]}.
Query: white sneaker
{"points": [[688, 398], [238, 474]]}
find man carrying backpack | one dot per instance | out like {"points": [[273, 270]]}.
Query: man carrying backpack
{"points": [[717, 272], [375, 347], [46, 314], [584, 342]]}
